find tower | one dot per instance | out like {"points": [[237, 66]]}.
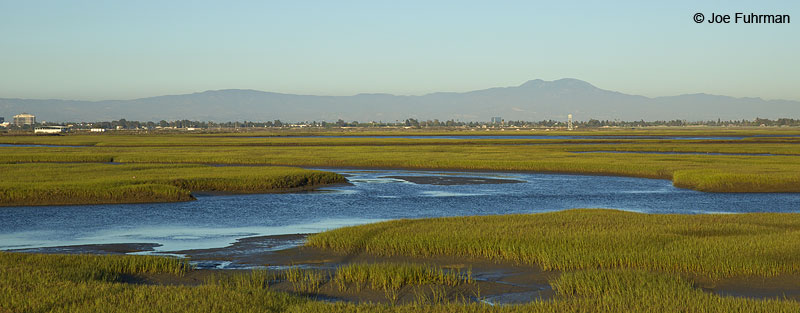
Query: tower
{"points": [[569, 121]]}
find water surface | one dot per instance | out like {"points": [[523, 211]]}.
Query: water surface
{"points": [[217, 221]]}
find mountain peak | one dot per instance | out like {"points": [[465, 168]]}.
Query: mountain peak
{"points": [[571, 83], [533, 83], [229, 91]]}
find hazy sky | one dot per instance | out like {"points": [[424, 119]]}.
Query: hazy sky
{"points": [[130, 49]]}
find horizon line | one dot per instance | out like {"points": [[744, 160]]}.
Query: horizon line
{"points": [[398, 95]]}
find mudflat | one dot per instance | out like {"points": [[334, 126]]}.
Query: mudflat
{"points": [[494, 282]]}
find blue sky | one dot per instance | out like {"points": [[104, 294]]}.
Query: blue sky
{"points": [[129, 49]]}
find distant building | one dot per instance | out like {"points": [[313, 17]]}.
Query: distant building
{"points": [[2, 120], [569, 121], [24, 119], [50, 129], [97, 130], [497, 120]]}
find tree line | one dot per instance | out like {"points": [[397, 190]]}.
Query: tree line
{"points": [[415, 123]]}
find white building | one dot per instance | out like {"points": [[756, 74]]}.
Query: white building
{"points": [[24, 119], [50, 129]]}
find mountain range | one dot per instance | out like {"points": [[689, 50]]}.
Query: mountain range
{"points": [[532, 101]]}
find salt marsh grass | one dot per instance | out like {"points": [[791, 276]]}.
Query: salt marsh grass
{"points": [[710, 173], [303, 281], [611, 261], [83, 283], [383, 276], [46, 184], [391, 278], [762, 244], [594, 291]]}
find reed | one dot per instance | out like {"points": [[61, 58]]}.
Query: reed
{"points": [[48, 184], [391, 278], [594, 291], [59, 283], [761, 244], [710, 173], [381, 276]]}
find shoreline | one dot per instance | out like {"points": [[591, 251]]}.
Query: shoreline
{"points": [[202, 193], [193, 194]]}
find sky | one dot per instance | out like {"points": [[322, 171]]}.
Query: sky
{"points": [[97, 50]]}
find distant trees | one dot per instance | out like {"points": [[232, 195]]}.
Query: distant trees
{"points": [[416, 123]]}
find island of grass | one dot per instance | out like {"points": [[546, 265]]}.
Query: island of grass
{"points": [[95, 183], [602, 260], [753, 164]]}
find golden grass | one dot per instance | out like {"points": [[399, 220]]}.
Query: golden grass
{"points": [[760, 243], [763, 244], [48, 184], [711, 173]]}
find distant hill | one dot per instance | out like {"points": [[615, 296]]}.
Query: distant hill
{"points": [[532, 101]]}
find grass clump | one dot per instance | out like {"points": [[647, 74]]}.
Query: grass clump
{"points": [[593, 291], [97, 267], [79, 183], [303, 281], [721, 180], [762, 244], [84, 283], [391, 278], [384, 276]]}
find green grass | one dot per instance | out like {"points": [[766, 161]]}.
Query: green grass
{"points": [[83, 283], [711, 173], [97, 267], [761, 244], [302, 281], [57, 283], [611, 261], [596, 291], [394, 276], [49, 183], [391, 278]]}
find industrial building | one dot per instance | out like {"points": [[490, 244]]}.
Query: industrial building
{"points": [[50, 129], [24, 119]]}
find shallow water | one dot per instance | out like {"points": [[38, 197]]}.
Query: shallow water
{"points": [[217, 221]]}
